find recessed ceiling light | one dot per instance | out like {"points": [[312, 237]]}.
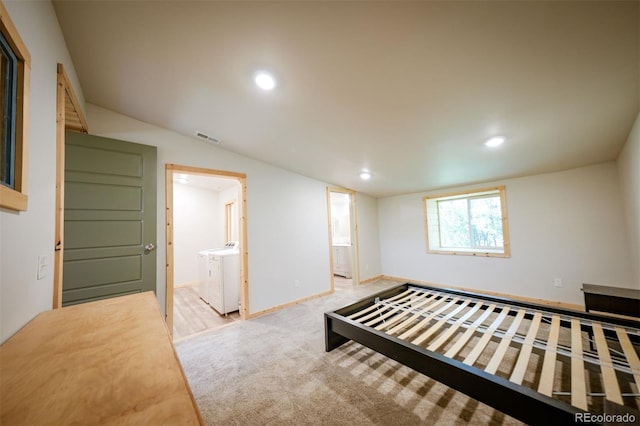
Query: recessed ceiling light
{"points": [[495, 141], [365, 175], [264, 80]]}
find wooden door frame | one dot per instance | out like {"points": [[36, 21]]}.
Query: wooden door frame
{"points": [[353, 218], [170, 170], [69, 116]]}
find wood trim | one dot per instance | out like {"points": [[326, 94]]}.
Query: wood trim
{"points": [[74, 116], [330, 229], [170, 169], [17, 198], [355, 248], [204, 171], [502, 191], [58, 256], [368, 280], [288, 304], [168, 189], [12, 199], [462, 193], [64, 95], [244, 264]]}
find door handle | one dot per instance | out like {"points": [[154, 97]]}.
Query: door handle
{"points": [[149, 248]]}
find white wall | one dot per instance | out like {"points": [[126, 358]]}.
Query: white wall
{"points": [[566, 225], [368, 241], [196, 227], [629, 172], [287, 213], [27, 235]]}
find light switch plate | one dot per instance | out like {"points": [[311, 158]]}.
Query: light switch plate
{"points": [[43, 266]]}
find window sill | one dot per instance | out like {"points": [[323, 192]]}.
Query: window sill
{"points": [[12, 200], [471, 253]]}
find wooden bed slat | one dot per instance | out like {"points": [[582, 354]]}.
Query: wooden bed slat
{"points": [[453, 351], [545, 386], [374, 306], [609, 379], [402, 304], [415, 315], [404, 313], [442, 338], [484, 340], [428, 319], [496, 359], [578, 384], [457, 327], [381, 306], [435, 327], [630, 353], [525, 352]]}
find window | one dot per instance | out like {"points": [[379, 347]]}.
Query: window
{"points": [[14, 89], [8, 85], [230, 233], [472, 222]]}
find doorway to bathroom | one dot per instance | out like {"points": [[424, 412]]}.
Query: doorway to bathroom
{"points": [[343, 237]]}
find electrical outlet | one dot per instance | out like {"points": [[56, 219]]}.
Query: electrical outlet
{"points": [[296, 283], [557, 282]]}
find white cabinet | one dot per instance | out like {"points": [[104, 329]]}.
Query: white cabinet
{"points": [[342, 260]]}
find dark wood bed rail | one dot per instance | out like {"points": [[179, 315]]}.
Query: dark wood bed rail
{"points": [[516, 400]]}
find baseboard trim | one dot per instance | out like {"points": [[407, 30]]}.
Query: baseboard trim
{"points": [[288, 304], [552, 303], [368, 280]]}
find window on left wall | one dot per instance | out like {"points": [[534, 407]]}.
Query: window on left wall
{"points": [[15, 64]]}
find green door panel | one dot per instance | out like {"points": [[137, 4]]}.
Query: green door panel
{"points": [[112, 162], [107, 270], [97, 196], [103, 233], [110, 215]]}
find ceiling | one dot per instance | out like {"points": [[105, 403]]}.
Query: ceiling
{"points": [[407, 90]]}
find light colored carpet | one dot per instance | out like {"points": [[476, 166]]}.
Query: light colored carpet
{"points": [[273, 370]]}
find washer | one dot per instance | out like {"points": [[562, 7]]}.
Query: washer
{"points": [[221, 285]]}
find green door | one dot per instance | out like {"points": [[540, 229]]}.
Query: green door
{"points": [[109, 218]]}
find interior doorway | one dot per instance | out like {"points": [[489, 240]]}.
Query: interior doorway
{"points": [[205, 214], [343, 237]]}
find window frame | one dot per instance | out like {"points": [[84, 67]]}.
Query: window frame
{"points": [[466, 195], [16, 198]]}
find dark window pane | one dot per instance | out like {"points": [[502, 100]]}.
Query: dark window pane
{"points": [[8, 80]]}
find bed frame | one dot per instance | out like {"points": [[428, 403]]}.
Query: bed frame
{"points": [[482, 346]]}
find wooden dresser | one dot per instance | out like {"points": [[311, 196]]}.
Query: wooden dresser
{"points": [[105, 362]]}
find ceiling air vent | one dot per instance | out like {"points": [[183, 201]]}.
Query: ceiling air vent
{"points": [[208, 138]]}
